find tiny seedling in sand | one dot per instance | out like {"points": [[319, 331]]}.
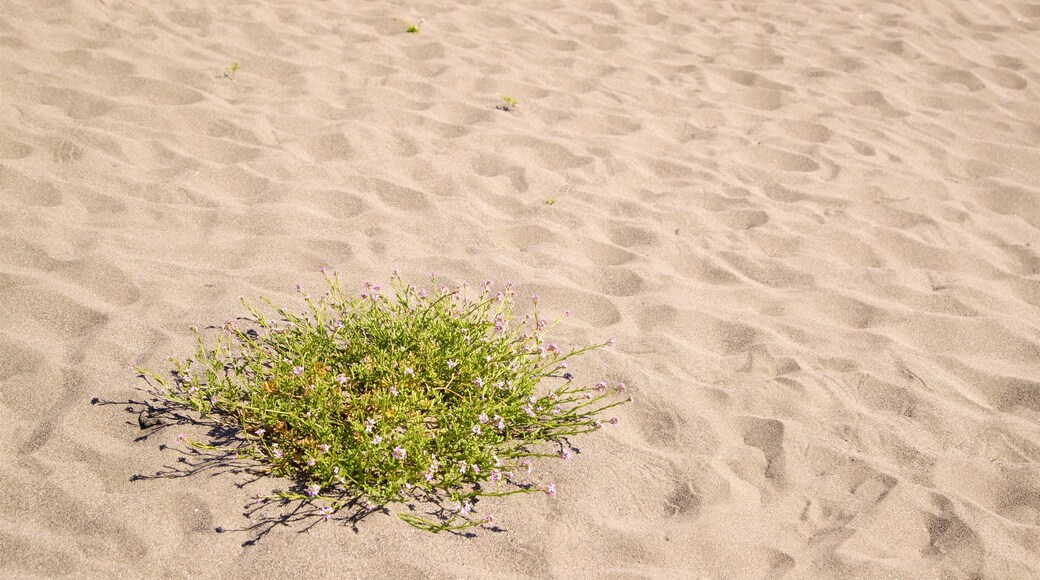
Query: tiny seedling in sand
{"points": [[551, 200], [230, 70], [414, 28], [510, 103], [417, 397]]}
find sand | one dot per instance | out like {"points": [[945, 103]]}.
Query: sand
{"points": [[812, 226]]}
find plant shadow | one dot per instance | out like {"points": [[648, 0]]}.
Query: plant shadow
{"points": [[222, 457]]}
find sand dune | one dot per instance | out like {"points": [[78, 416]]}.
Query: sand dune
{"points": [[812, 226]]}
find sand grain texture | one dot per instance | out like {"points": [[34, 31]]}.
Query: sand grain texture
{"points": [[813, 227]]}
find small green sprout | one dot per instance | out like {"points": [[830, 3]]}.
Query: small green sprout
{"points": [[551, 200], [510, 103], [230, 70], [414, 28]]}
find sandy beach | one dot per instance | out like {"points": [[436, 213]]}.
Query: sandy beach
{"points": [[813, 228]]}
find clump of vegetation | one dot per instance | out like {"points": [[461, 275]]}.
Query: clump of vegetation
{"points": [[510, 103], [551, 200], [230, 70], [434, 396]]}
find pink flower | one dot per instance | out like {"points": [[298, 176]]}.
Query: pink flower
{"points": [[312, 490], [369, 424], [621, 388], [342, 379], [483, 418], [488, 520], [408, 371], [181, 437], [398, 452], [565, 454], [377, 440], [260, 432], [451, 364], [325, 448], [476, 429], [527, 464], [550, 490], [297, 371], [325, 513], [611, 341], [495, 475]]}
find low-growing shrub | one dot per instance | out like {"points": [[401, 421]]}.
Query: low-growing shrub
{"points": [[432, 396]]}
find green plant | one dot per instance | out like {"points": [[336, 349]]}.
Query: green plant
{"points": [[414, 28], [230, 70], [510, 103], [551, 200], [415, 395]]}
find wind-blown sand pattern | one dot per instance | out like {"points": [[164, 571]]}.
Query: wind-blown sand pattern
{"points": [[812, 226]]}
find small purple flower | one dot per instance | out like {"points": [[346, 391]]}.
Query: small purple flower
{"points": [[408, 371], [529, 410], [621, 388], [550, 490], [488, 520], [526, 463], [479, 382], [398, 452], [299, 287], [597, 424], [369, 424], [500, 423], [463, 467], [483, 418], [476, 429], [557, 409], [312, 490], [451, 364], [475, 468], [325, 513], [466, 508], [377, 440], [535, 299], [260, 432], [325, 448], [181, 438], [611, 341], [276, 451], [342, 379], [310, 462], [323, 269], [297, 371], [565, 454], [495, 475], [553, 348], [393, 391]]}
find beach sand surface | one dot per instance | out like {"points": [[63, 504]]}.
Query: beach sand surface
{"points": [[812, 226]]}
